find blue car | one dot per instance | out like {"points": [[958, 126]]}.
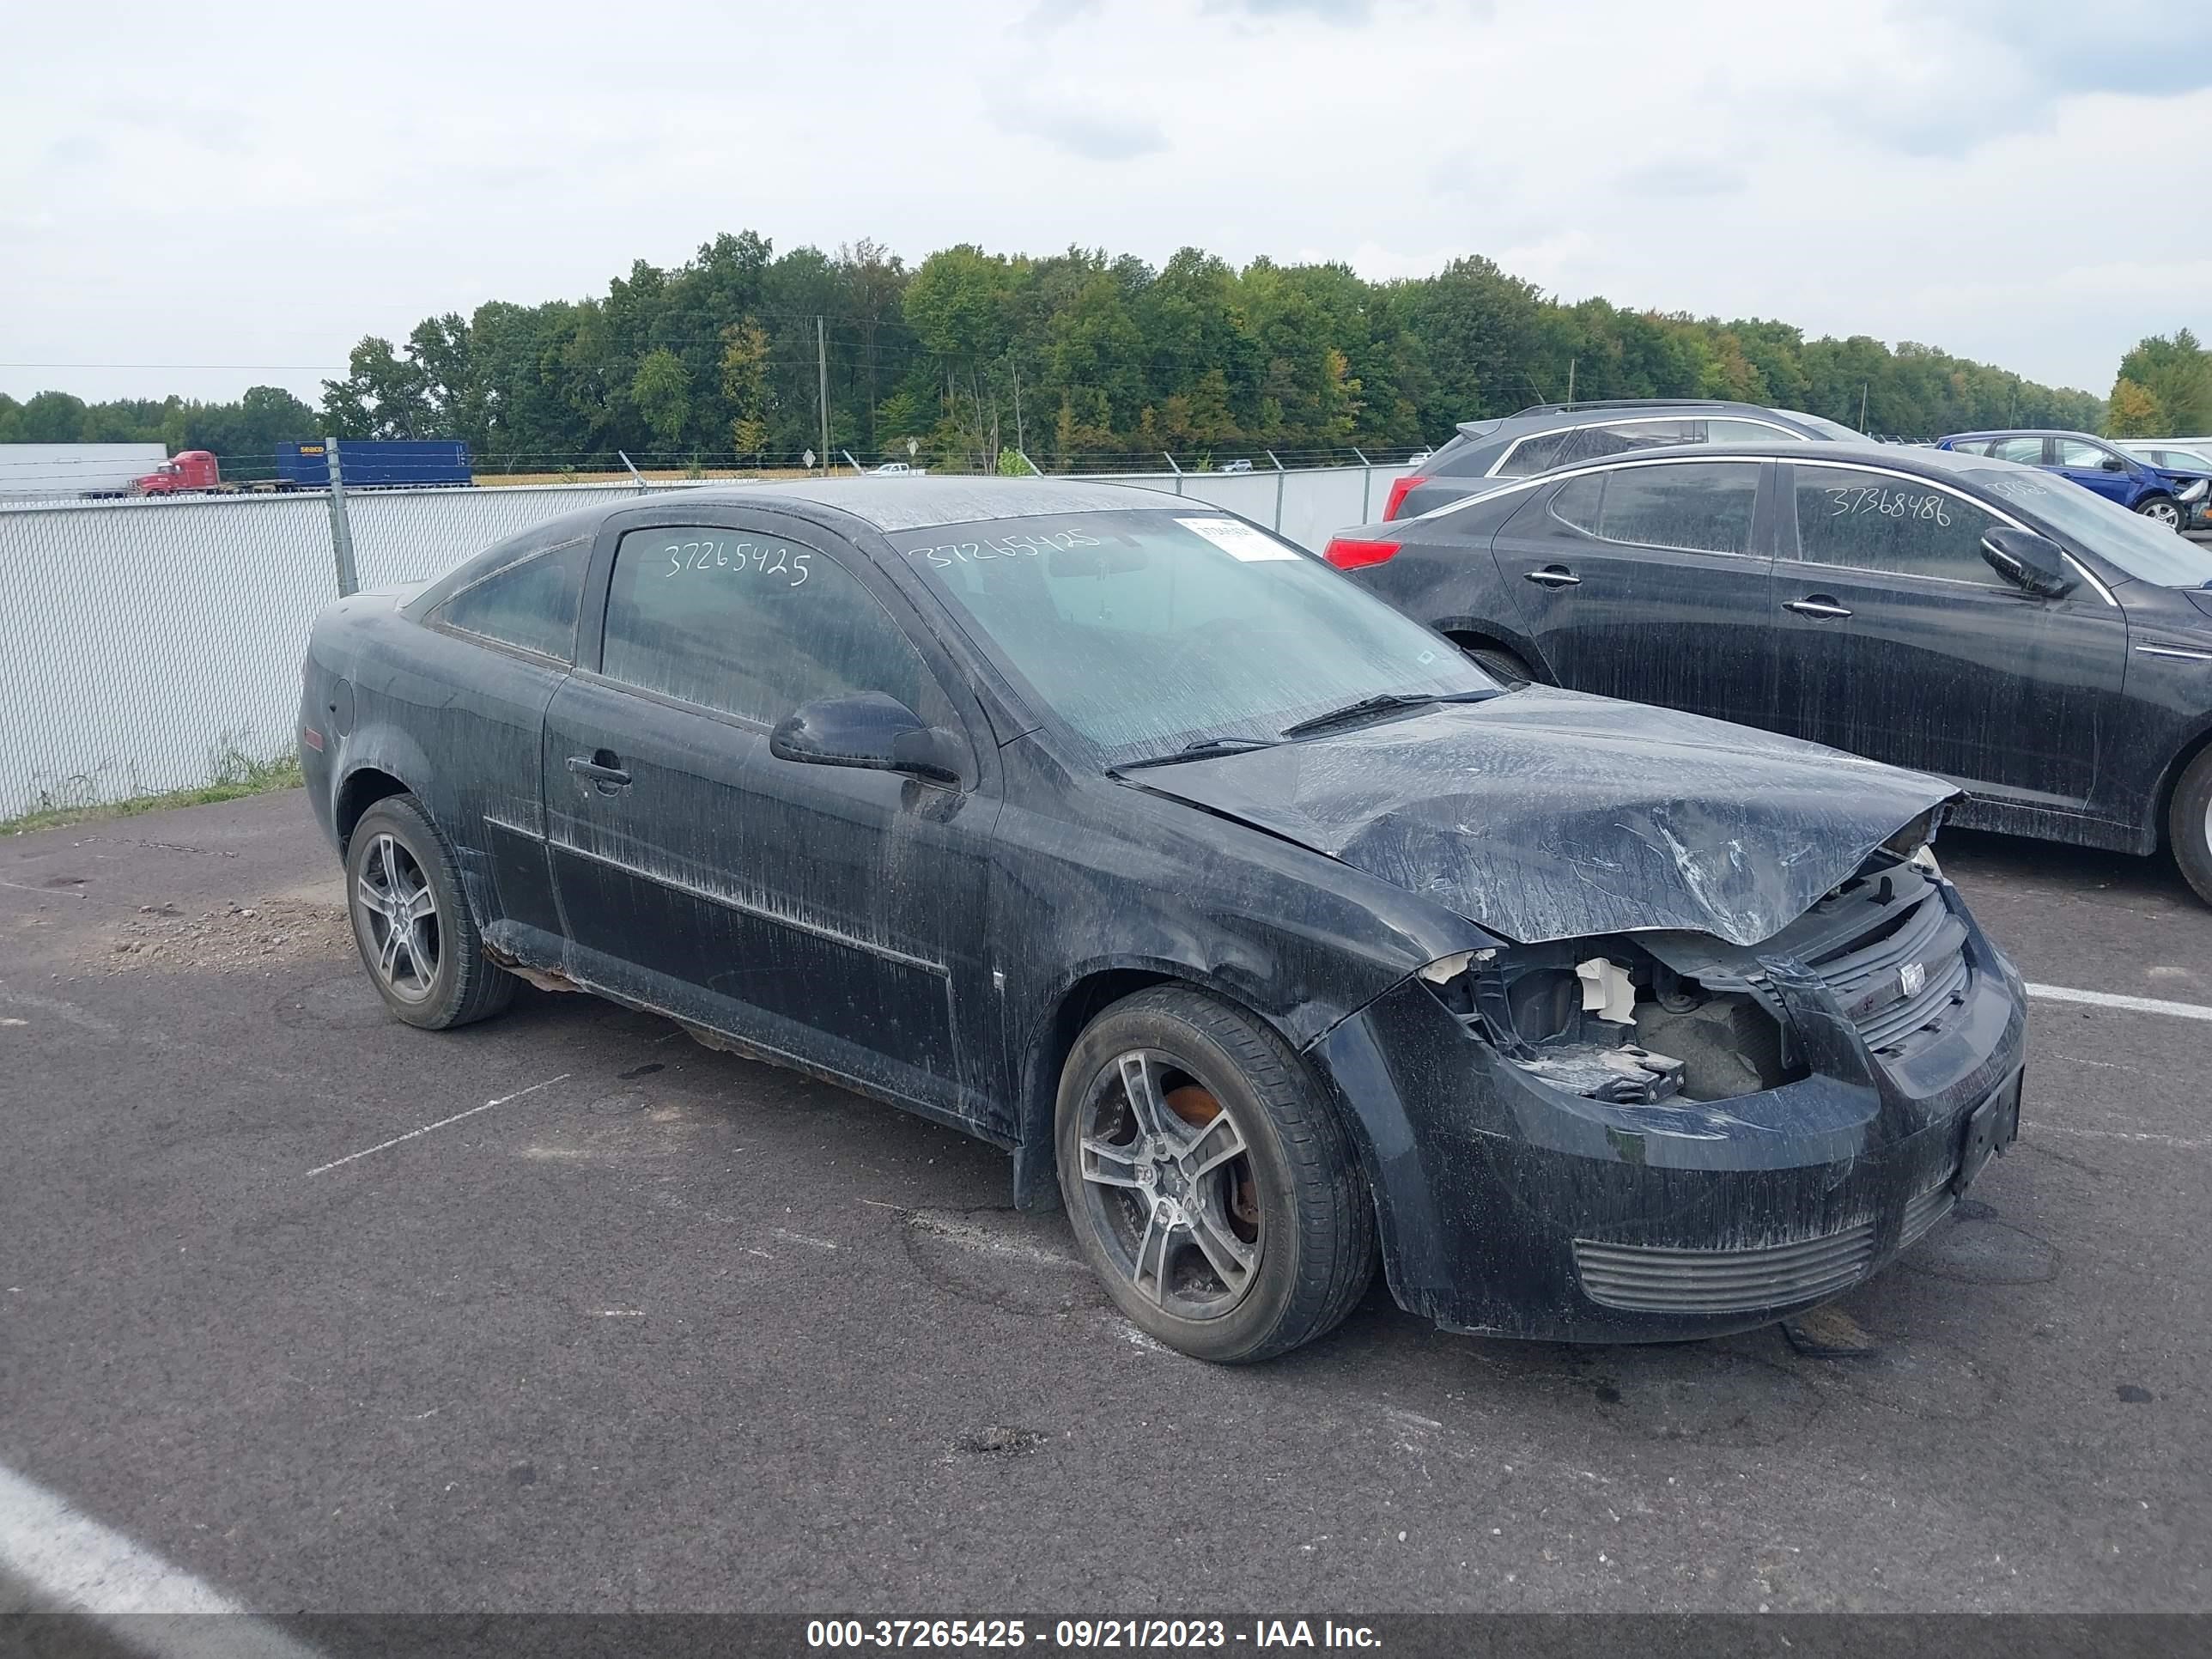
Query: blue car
{"points": [[2176, 497]]}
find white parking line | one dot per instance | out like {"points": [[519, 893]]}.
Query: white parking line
{"points": [[2178, 1143], [2111, 999], [69, 1559], [321, 1169]]}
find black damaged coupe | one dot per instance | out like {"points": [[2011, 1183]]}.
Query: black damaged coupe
{"points": [[1269, 933]]}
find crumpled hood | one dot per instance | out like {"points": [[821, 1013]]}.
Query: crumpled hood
{"points": [[1548, 814]]}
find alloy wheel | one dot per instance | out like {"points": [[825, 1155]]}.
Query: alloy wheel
{"points": [[1167, 1178], [2165, 513], [398, 915]]}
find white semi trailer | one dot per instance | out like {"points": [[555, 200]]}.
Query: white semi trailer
{"points": [[73, 470]]}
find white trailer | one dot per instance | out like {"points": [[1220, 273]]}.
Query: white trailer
{"points": [[74, 470]]}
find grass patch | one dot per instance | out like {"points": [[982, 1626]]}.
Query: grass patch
{"points": [[235, 773]]}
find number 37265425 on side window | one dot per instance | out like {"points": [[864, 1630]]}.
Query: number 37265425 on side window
{"points": [[1273, 937]]}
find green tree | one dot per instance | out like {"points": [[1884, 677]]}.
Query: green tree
{"points": [[2134, 411], [2177, 372], [662, 392]]}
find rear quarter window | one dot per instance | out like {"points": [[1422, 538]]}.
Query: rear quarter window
{"points": [[530, 604]]}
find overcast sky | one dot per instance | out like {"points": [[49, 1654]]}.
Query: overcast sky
{"points": [[253, 189]]}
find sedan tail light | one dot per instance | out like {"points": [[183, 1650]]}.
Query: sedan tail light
{"points": [[1350, 553], [1400, 489]]}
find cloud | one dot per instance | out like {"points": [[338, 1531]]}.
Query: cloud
{"points": [[1092, 134], [1343, 13], [1684, 176], [1944, 83]]}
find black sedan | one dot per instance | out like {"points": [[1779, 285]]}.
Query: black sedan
{"points": [[1267, 931], [2045, 649]]}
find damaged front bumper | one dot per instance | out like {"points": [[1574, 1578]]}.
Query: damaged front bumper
{"points": [[1511, 1205]]}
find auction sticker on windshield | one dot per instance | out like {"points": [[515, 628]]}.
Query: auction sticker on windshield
{"points": [[1238, 540]]}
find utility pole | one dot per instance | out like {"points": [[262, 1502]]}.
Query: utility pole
{"points": [[1571, 379], [1021, 448], [822, 369], [1862, 397]]}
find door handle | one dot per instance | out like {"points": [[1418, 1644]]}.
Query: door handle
{"points": [[1556, 575], [600, 767], [1819, 605]]}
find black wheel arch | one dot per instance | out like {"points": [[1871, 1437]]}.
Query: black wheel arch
{"points": [[1473, 633], [2161, 812], [1037, 1163]]}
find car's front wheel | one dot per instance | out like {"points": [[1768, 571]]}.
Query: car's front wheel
{"points": [[2189, 824], [2161, 509], [417, 939], [1210, 1183]]}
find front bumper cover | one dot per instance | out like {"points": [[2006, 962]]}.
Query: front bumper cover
{"points": [[1510, 1207]]}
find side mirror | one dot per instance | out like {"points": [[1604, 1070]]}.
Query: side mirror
{"points": [[2113, 463], [2029, 562], [868, 730]]}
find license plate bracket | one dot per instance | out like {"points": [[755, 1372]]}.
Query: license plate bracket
{"points": [[1990, 1128]]}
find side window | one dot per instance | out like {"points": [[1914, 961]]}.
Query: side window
{"points": [[753, 625], [1595, 443], [1575, 502], [1745, 432], [530, 604], [1871, 522], [2028, 451], [1701, 505], [1971, 447], [1533, 455], [2075, 452]]}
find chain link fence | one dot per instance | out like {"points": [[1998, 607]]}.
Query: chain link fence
{"points": [[156, 645]]}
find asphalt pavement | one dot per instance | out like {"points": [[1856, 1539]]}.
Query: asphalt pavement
{"points": [[564, 1312]]}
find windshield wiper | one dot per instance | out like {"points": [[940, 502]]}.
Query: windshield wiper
{"points": [[1383, 703], [1204, 748]]}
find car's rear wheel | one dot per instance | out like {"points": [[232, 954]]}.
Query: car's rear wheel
{"points": [[2161, 509], [1210, 1185], [2189, 824], [417, 938]]}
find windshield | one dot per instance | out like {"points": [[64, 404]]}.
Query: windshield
{"points": [[1148, 631], [1834, 431], [2148, 551]]}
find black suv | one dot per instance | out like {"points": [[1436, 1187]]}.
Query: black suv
{"points": [[1547, 435]]}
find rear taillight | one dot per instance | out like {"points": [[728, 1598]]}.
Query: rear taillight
{"points": [[1400, 489], [1348, 553]]}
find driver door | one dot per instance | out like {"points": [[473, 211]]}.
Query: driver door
{"points": [[829, 914], [2094, 467], [1900, 643]]}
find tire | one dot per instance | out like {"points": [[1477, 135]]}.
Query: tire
{"points": [[401, 883], [2164, 509], [1269, 1245], [2189, 824], [1500, 665]]}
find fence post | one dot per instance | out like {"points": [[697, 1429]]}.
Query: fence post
{"points": [[341, 526], [1279, 477], [642, 487], [1173, 468], [1366, 481]]}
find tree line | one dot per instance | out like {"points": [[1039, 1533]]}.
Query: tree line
{"points": [[971, 358]]}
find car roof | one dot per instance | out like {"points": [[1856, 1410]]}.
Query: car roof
{"points": [[2026, 432], [921, 503]]}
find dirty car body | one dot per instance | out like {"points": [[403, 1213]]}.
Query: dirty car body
{"points": [[1639, 1025]]}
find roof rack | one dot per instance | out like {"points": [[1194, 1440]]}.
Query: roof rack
{"points": [[1628, 403]]}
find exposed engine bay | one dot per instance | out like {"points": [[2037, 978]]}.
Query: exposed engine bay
{"points": [[1638, 1019]]}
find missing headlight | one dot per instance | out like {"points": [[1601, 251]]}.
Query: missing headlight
{"points": [[1606, 1020]]}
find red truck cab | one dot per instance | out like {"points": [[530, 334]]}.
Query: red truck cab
{"points": [[192, 468]]}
